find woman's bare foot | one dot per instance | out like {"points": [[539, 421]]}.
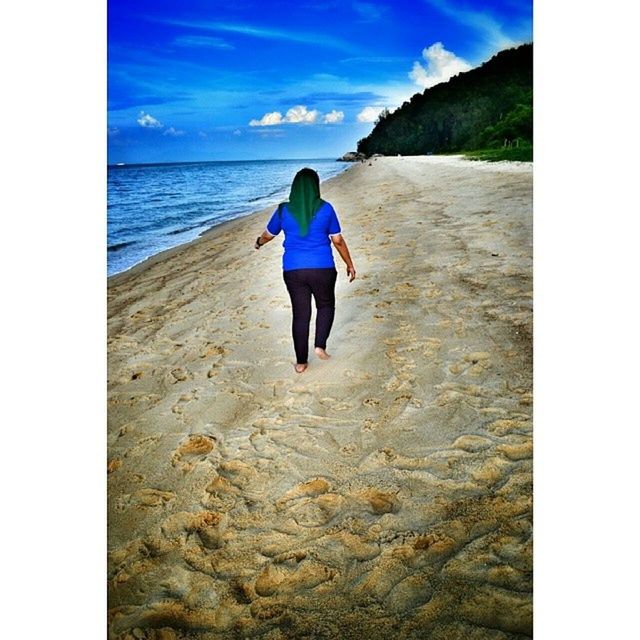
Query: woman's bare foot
{"points": [[321, 353], [301, 367]]}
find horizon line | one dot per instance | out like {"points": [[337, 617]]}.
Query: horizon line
{"points": [[143, 164]]}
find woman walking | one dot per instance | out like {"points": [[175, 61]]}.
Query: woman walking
{"points": [[310, 226]]}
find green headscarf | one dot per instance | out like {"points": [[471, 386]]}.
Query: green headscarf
{"points": [[304, 199]]}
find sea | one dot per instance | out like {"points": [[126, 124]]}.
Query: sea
{"points": [[153, 207]]}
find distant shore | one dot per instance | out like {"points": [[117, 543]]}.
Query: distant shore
{"points": [[385, 492]]}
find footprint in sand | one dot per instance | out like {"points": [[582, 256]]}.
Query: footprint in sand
{"points": [[430, 347], [518, 451], [124, 429], [380, 502], [390, 569], [299, 398], [316, 512], [282, 580], [506, 426], [472, 443], [185, 398], [211, 349], [180, 374], [410, 593], [215, 369], [387, 457], [262, 444], [311, 488], [407, 290], [194, 449], [473, 363], [209, 526], [334, 404], [142, 447], [113, 465], [349, 449], [432, 292], [490, 472], [146, 498], [396, 384], [221, 486], [237, 473]]}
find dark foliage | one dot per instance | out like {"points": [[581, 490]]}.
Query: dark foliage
{"points": [[486, 108]]}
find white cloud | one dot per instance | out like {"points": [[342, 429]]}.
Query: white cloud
{"points": [[202, 135], [486, 27], [267, 120], [369, 114], [296, 115], [320, 39], [175, 133], [333, 117], [202, 41], [237, 132], [113, 131], [441, 65], [148, 121], [299, 114]]}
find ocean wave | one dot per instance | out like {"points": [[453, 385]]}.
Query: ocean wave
{"points": [[176, 232], [120, 245], [266, 196]]}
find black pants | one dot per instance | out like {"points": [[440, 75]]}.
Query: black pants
{"points": [[301, 285]]}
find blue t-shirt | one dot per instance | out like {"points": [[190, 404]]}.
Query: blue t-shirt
{"points": [[312, 251]]}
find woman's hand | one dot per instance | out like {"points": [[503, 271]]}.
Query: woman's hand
{"points": [[263, 239], [351, 273]]}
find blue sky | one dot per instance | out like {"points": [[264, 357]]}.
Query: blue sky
{"points": [[208, 80]]}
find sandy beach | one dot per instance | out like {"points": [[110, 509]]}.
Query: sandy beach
{"points": [[384, 493]]}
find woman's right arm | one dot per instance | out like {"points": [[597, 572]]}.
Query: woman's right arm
{"points": [[341, 245]]}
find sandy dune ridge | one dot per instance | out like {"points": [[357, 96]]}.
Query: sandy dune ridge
{"points": [[385, 493]]}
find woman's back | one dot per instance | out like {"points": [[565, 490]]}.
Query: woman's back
{"points": [[310, 251]]}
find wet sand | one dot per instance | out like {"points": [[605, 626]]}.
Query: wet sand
{"points": [[384, 493]]}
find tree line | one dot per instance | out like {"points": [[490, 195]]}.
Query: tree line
{"points": [[484, 108]]}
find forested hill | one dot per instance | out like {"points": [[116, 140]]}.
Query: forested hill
{"points": [[488, 107]]}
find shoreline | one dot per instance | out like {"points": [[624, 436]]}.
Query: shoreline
{"points": [[224, 225], [165, 253], [386, 491]]}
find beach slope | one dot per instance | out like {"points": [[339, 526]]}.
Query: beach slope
{"points": [[384, 493]]}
